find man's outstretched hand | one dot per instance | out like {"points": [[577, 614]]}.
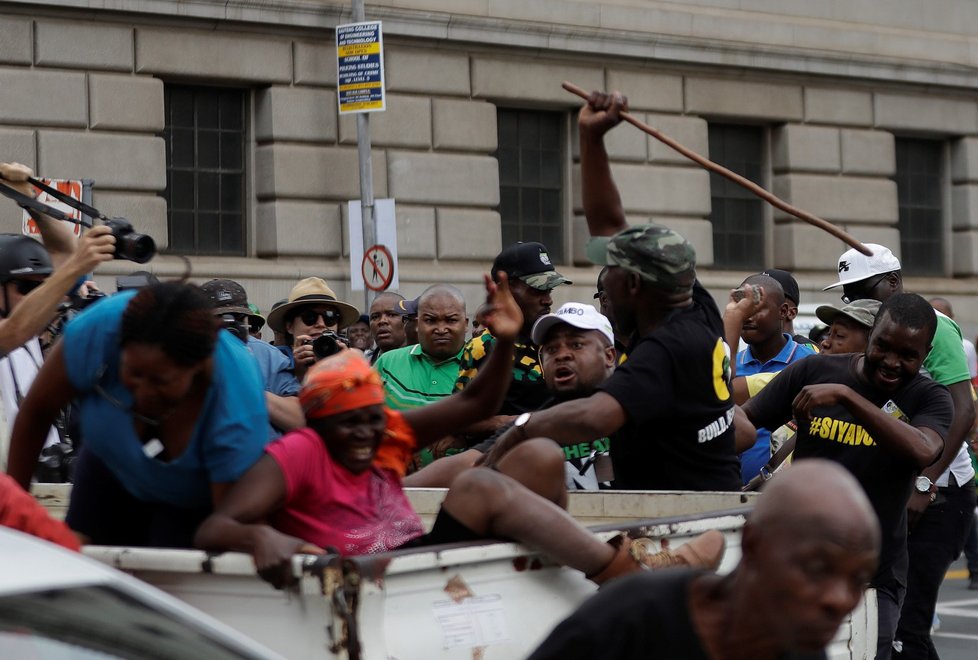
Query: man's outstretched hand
{"points": [[503, 316]]}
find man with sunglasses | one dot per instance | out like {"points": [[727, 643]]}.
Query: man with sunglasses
{"points": [[34, 280], [311, 310], [940, 507]]}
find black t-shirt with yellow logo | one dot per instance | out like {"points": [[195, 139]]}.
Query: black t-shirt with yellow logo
{"points": [[675, 390], [835, 434]]}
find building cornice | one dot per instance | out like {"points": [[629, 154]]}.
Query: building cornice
{"points": [[645, 46]]}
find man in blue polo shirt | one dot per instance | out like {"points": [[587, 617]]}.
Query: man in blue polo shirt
{"points": [[769, 349]]}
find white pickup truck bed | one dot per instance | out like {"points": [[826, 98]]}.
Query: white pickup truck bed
{"points": [[480, 601]]}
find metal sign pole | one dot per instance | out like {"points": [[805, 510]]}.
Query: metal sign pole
{"points": [[366, 174]]}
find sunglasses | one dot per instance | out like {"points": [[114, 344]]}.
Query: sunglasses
{"points": [[310, 316], [26, 286], [851, 294]]}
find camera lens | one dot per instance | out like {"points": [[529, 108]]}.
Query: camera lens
{"points": [[136, 247], [325, 345], [129, 244]]}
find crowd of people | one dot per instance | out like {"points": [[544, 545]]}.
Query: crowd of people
{"points": [[187, 429]]}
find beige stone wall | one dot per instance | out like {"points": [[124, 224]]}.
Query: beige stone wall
{"points": [[81, 95]]}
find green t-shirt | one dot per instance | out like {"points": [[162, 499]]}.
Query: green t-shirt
{"points": [[412, 378], [946, 362]]}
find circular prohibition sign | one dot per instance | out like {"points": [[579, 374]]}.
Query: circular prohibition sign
{"points": [[377, 268]]}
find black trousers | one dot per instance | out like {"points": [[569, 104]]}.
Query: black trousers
{"points": [[934, 542], [104, 511]]}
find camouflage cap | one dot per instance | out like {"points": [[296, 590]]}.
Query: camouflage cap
{"points": [[656, 253]]}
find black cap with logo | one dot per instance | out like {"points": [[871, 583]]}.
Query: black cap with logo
{"points": [[530, 263]]}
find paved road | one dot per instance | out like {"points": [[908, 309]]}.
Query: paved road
{"points": [[957, 608]]}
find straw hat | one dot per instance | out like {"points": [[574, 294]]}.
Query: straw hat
{"points": [[312, 291]]}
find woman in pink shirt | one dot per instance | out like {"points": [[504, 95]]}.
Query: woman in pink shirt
{"points": [[337, 483]]}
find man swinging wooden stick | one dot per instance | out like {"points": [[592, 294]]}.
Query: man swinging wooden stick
{"points": [[621, 109]]}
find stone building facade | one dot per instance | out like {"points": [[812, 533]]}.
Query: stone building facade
{"points": [[864, 113]]}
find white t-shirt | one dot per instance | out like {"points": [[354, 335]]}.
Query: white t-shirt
{"points": [[17, 373], [971, 356]]}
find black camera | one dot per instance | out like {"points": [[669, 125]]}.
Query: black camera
{"points": [[129, 244], [78, 303], [325, 345], [237, 325]]}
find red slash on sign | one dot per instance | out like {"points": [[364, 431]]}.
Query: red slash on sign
{"points": [[377, 268]]}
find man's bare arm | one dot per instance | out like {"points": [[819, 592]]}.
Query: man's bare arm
{"points": [[568, 423], [602, 201], [58, 236], [39, 307], [964, 419], [284, 412]]}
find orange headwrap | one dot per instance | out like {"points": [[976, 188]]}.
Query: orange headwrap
{"points": [[340, 383]]}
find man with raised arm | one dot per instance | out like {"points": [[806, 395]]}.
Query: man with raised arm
{"points": [[669, 405], [34, 279]]}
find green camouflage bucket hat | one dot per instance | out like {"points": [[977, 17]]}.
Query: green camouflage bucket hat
{"points": [[656, 253]]}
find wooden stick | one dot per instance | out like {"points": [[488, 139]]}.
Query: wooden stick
{"points": [[768, 197]]}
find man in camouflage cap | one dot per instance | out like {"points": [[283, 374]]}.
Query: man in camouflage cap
{"points": [[668, 404], [656, 253]]}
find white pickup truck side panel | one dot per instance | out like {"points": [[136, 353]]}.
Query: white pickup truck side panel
{"points": [[485, 601]]}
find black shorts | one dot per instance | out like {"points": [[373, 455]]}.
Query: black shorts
{"points": [[104, 511], [447, 529]]}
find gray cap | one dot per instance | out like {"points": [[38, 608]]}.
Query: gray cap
{"points": [[862, 312]]}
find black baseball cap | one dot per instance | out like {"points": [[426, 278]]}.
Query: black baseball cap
{"points": [[530, 263], [227, 296], [407, 308], [787, 282]]}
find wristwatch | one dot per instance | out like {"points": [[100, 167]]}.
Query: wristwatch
{"points": [[520, 424], [923, 484]]}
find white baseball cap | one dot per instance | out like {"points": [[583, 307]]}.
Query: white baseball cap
{"points": [[854, 266], [578, 315]]}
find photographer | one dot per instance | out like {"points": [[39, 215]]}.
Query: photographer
{"points": [[311, 311], [35, 279]]}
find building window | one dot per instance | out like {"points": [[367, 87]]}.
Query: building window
{"points": [[205, 140], [531, 165], [920, 195], [737, 215]]}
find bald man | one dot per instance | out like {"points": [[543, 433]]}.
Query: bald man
{"points": [[809, 550], [425, 372]]}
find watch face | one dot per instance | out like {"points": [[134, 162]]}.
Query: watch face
{"points": [[923, 484], [522, 419]]}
